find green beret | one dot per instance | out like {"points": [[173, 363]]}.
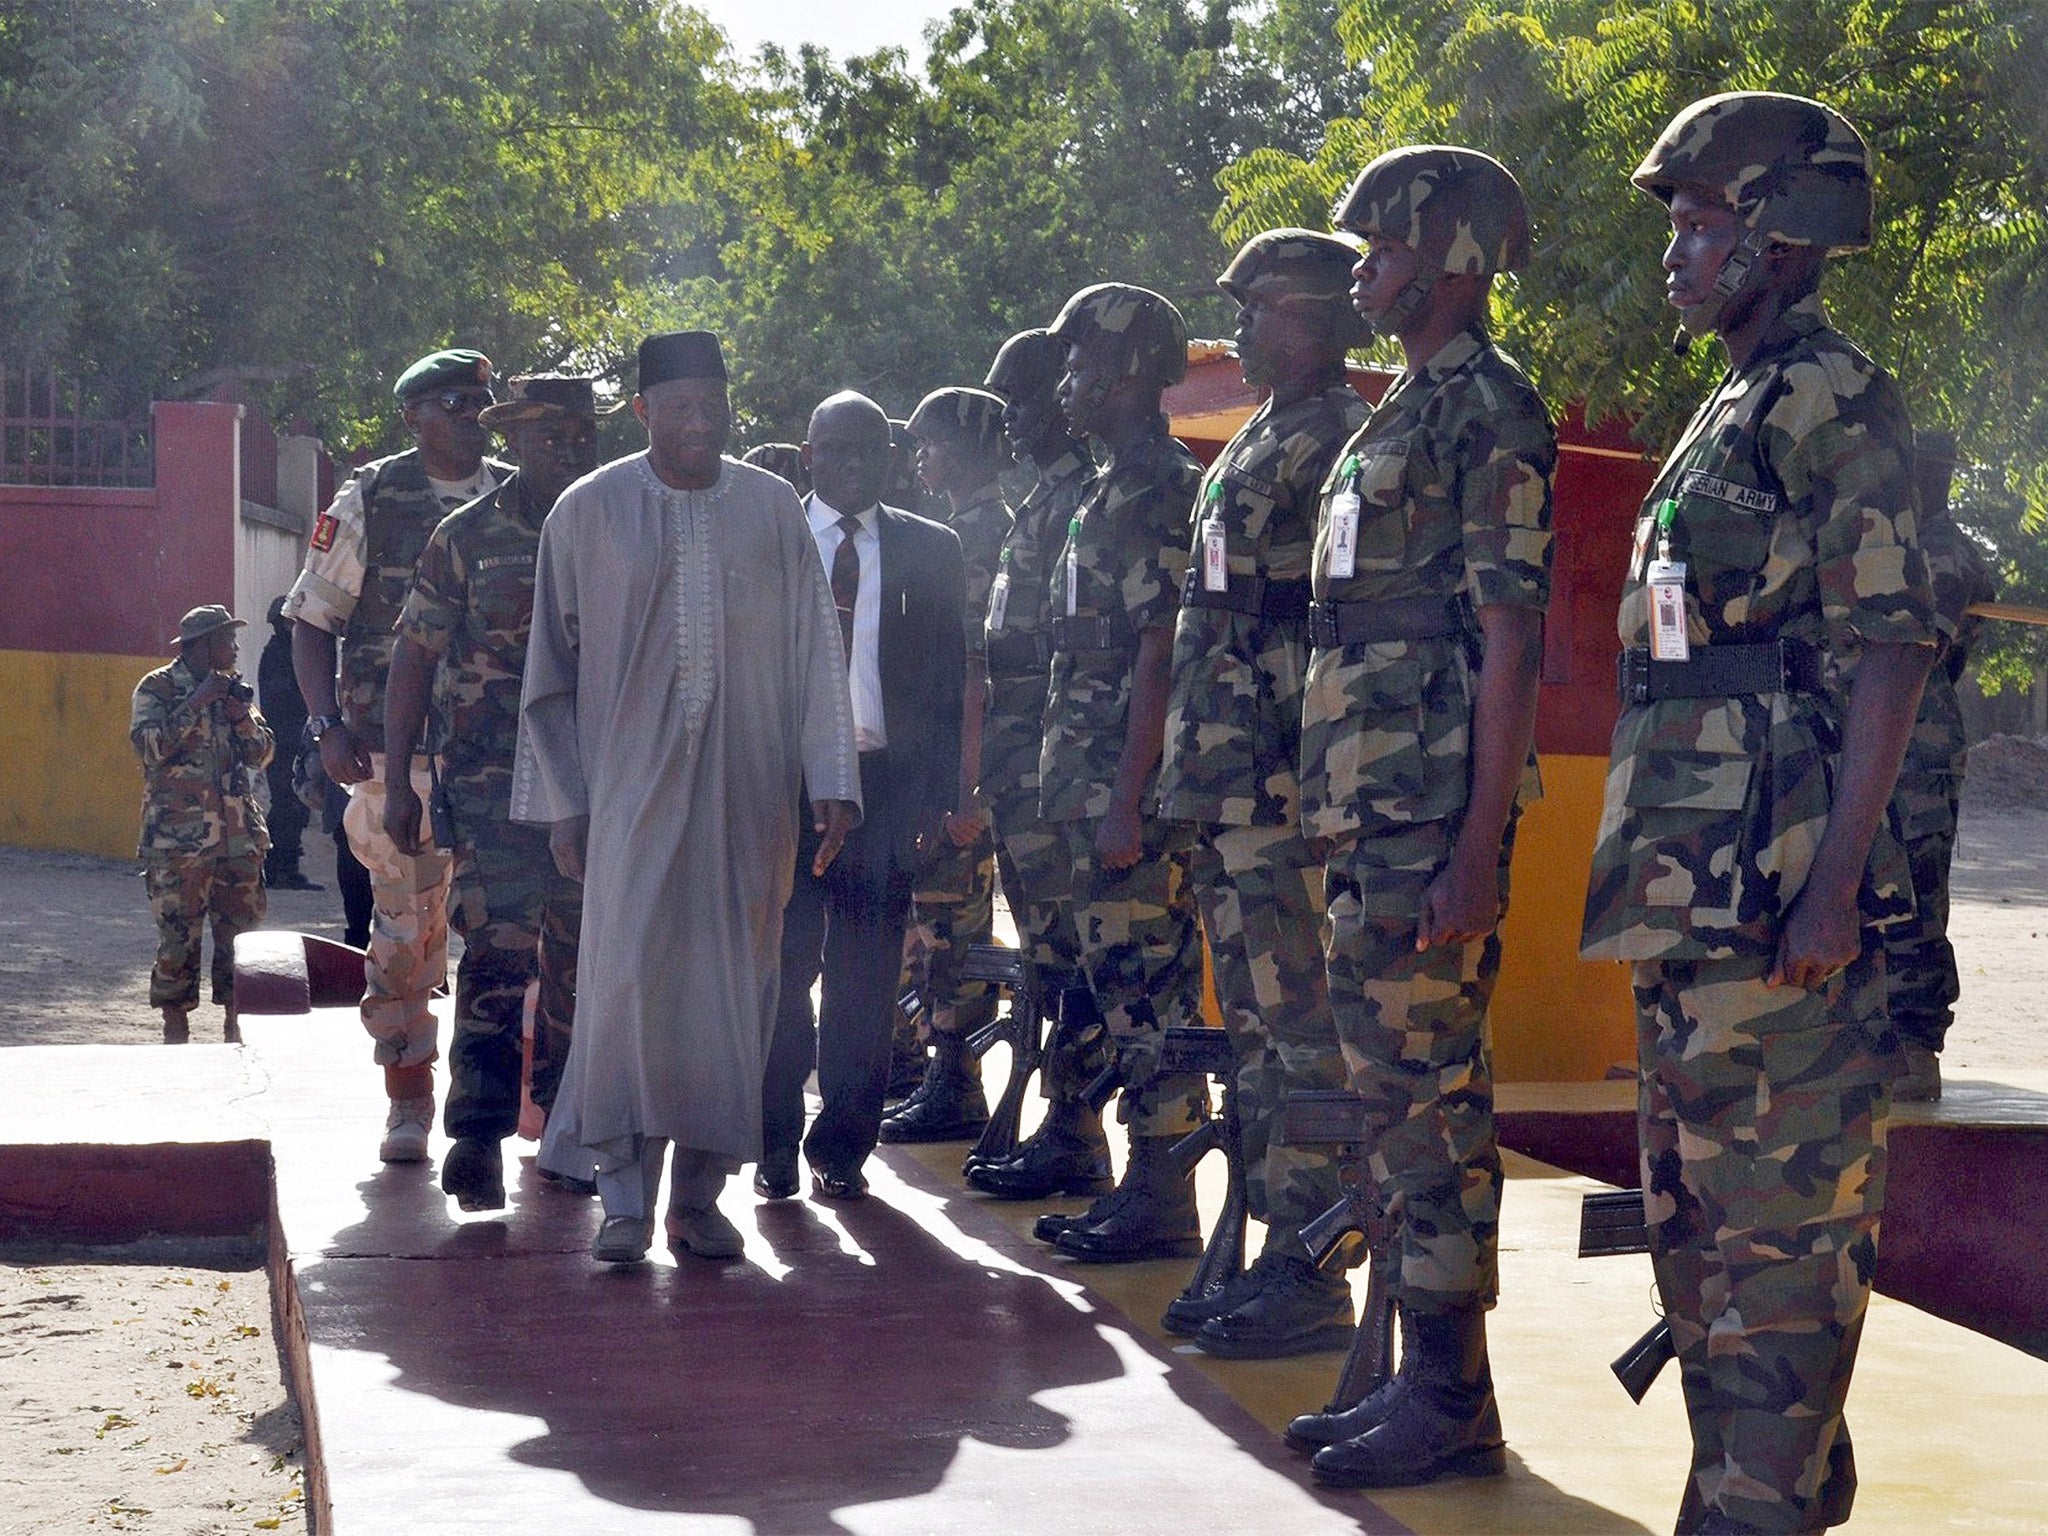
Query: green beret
{"points": [[457, 366]]}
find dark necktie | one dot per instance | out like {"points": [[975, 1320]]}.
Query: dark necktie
{"points": [[846, 580]]}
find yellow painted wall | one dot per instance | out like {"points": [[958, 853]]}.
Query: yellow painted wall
{"points": [[1557, 1018], [68, 778]]}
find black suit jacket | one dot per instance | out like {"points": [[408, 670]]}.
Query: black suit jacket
{"points": [[922, 653]]}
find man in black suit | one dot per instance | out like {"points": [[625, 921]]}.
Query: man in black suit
{"points": [[898, 583]]}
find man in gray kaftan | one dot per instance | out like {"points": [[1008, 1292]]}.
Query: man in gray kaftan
{"points": [[684, 682]]}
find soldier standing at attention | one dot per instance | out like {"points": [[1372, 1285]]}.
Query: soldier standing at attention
{"points": [[463, 631], [203, 837], [1115, 592], [359, 568], [1432, 571], [960, 456], [1067, 1153], [1777, 621], [1233, 748]]}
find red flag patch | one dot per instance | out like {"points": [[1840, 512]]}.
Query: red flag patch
{"points": [[324, 530]]}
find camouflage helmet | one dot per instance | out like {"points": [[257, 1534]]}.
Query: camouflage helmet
{"points": [[1029, 362], [1794, 170], [1301, 265], [1460, 211], [1142, 331], [972, 418]]}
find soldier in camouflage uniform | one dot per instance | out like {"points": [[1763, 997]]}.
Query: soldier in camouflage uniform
{"points": [[784, 459], [463, 631], [203, 837], [1114, 594], [1431, 573], [359, 567], [960, 456], [1232, 767], [1777, 621], [1067, 1154], [1921, 984]]}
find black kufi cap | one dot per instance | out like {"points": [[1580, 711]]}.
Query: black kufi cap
{"points": [[680, 355]]}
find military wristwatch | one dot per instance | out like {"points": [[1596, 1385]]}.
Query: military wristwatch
{"points": [[320, 725]]}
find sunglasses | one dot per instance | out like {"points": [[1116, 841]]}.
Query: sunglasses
{"points": [[455, 401]]}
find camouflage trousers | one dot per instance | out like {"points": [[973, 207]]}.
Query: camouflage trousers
{"points": [[185, 889], [953, 906], [1260, 892], [408, 956], [518, 917], [1038, 882], [1138, 940], [1921, 985], [1762, 1120], [1412, 1027]]}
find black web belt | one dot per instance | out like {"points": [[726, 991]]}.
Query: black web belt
{"points": [[1408, 618], [1094, 632], [1018, 655], [1287, 601], [1719, 671]]}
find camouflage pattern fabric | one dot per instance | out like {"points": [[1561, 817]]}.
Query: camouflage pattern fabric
{"points": [[1412, 1026], [471, 606], [954, 904], [1233, 721], [1453, 474], [1795, 519], [1793, 169], [1037, 881], [1129, 550], [554, 1015], [1260, 893], [408, 954], [1921, 984], [1140, 953], [1295, 264], [1143, 334], [984, 528], [1457, 209], [185, 889], [1762, 1116], [1013, 726], [198, 793]]}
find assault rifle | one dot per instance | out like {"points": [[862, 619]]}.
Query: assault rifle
{"points": [[1023, 1029], [1337, 1118], [1611, 1221], [1196, 1049]]}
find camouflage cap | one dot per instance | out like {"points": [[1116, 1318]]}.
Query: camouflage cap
{"points": [[534, 395], [1794, 169], [203, 621], [1460, 211], [1029, 361], [784, 459], [1303, 265], [454, 366], [1142, 331], [972, 418]]}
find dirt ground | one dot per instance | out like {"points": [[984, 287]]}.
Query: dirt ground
{"points": [[147, 1398]]}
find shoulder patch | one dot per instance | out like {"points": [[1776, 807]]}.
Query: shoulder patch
{"points": [[324, 529]]}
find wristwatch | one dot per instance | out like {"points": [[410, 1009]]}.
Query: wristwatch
{"points": [[320, 725]]}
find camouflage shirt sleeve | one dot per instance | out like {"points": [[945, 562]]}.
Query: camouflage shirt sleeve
{"points": [[1155, 539], [1507, 461], [440, 593]]}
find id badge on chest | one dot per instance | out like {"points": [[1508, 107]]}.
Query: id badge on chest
{"points": [[999, 603], [1668, 641], [1215, 555], [1344, 535]]}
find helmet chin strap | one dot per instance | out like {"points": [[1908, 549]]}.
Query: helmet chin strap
{"points": [[1406, 303], [1699, 321]]}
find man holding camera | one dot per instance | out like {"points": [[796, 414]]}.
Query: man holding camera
{"points": [[203, 837]]}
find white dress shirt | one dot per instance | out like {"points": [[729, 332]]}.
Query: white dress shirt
{"points": [[864, 675]]}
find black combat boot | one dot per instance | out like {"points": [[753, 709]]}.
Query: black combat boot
{"points": [[1186, 1314], [949, 1105], [1294, 1309], [1154, 1218], [1441, 1418], [1066, 1155], [1310, 1432]]}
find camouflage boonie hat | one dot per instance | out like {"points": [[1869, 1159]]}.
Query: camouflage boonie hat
{"points": [[544, 394], [1029, 361], [452, 368], [1793, 169], [1460, 211], [1300, 264], [1142, 331], [203, 621], [971, 417]]}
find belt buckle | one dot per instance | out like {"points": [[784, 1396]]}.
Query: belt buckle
{"points": [[1632, 677]]}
